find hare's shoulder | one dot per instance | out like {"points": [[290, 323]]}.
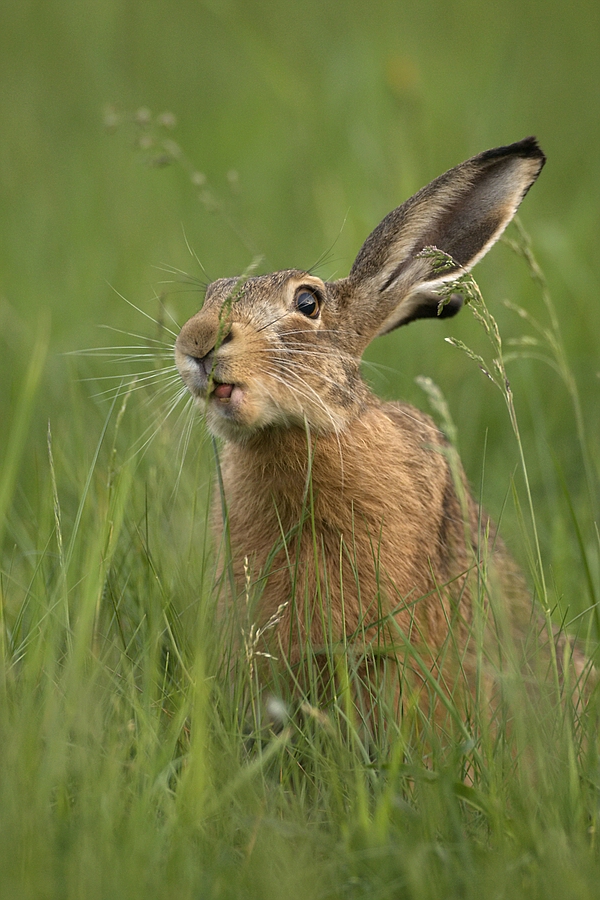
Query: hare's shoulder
{"points": [[414, 426]]}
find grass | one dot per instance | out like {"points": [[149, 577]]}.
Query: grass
{"points": [[131, 763], [135, 762]]}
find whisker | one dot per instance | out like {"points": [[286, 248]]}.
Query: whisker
{"points": [[167, 311], [313, 331], [335, 426], [325, 353], [291, 365], [169, 382], [129, 384], [290, 370], [141, 337], [320, 401], [368, 364], [185, 438], [174, 270], [119, 352], [272, 322], [318, 354], [142, 313], [140, 376], [151, 400], [181, 290], [194, 255], [327, 253], [154, 429]]}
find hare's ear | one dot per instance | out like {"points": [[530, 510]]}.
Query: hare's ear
{"points": [[461, 213]]}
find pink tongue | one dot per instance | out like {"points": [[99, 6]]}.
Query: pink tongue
{"points": [[223, 391]]}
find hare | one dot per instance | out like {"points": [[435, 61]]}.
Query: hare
{"points": [[344, 510]]}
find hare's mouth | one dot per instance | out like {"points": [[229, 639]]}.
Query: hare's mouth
{"points": [[222, 391], [228, 395]]}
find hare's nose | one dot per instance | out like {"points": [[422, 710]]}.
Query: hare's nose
{"points": [[207, 361]]}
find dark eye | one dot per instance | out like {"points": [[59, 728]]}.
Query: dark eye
{"points": [[307, 303]]}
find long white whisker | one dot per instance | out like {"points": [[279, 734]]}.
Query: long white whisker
{"points": [[128, 357], [119, 352], [313, 332], [169, 382], [142, 313], [154, 429], [291, 365], [174, 270], [167, 311], [195, 256], [131, 385], [368, 364], [149, 375], [150, 401], [291, 346], [299, 347], [334, 424], [317, 354], [140, 337], [291, 370], [185, 438]]}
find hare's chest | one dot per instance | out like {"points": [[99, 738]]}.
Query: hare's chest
{"points": [[318, 543]]}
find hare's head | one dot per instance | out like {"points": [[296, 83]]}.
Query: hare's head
{"points": [[285, 349]]}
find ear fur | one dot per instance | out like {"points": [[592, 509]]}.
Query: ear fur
{"points": [[462, 213]]}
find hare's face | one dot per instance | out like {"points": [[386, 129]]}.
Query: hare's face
{"points": [[284, 349], [269, 352]]}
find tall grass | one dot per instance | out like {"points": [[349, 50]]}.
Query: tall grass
{"points": [[132, 761], [141, 756]]}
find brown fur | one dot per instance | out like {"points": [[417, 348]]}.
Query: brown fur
{"points": [[342, 507]]}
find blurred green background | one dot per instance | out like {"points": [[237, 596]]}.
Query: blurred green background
{"points": [[329, 115]]}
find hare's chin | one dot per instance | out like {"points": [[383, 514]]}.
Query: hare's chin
{"points": [[230, 410], [237, 415]]}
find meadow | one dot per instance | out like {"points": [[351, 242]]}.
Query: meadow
{"points": [[147, 148]]}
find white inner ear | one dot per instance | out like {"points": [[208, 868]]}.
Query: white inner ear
{"points": [[405, 309], [410, 302]]}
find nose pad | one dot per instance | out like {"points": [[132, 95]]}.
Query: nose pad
{"points": [[207, 362]]}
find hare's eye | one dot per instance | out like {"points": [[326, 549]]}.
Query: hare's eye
{"points": [[307, 303]]}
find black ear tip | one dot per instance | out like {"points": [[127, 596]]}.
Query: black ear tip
{"points": [[528, 148]]}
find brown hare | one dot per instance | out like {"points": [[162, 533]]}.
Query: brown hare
{"points": [[341, 509]]}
